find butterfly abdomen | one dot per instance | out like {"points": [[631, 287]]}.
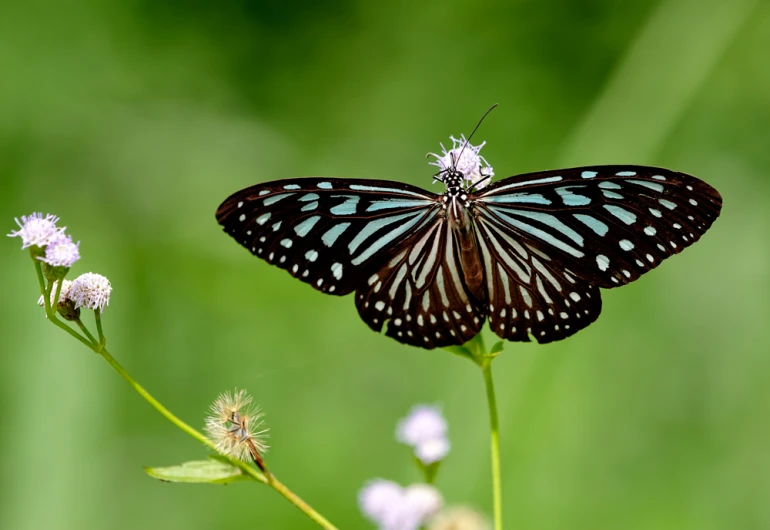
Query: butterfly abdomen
{"points": [[468, 251]]}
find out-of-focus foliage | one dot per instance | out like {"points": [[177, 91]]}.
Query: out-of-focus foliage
{"points": [[133, 120]]}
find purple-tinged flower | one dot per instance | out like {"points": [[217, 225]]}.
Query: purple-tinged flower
{"points": [[431, 451], [36, 230], [91, 291], [392, 507], [465, 158], [423, 501], [380, 500], [424, 423], [61, 251]]}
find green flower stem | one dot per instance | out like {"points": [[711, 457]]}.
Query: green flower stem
{"points": [[475, 350], [51, 311], [99, 348], [299, 503], [151, 400], [87, 333], [497, 495], [98, 318]]}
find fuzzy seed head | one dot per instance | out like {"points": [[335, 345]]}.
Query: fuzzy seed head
{"points": [[36, 230], [91, 290], [234, 426]]}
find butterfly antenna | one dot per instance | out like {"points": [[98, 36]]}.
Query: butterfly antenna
{"points": [[467, 141]]}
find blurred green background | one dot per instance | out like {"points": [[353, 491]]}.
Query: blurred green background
{"points": [[133, 120]]}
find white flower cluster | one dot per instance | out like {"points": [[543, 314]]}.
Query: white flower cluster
{"points": [[89, 290], [392, 507], [465, 158], [38, 231], [425, 430]]}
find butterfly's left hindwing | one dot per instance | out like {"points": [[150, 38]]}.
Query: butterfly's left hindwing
{"points": [[423, 294]]}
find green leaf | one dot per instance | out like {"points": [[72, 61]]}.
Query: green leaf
{"points": [[209, 471], [497, 348], [462, 351]]}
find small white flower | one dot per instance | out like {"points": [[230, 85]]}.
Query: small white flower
{"points": [[392, 507], [233, 427], [36, 230], [66, 286], [61, 251], [423, 424], [466, 159], [423, 501], [91, 291], [380, 499], [431, 451], [459, 518]]}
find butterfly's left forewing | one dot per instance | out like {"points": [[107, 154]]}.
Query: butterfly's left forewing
{"points": [[330, 233]]}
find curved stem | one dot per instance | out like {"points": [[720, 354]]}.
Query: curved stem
{"points": [[497, 496], [85, 331], [152, 401], [299, 503], [51, 311]]}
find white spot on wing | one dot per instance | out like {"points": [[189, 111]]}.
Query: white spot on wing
{"points": [[625, 244], [337, 270], [603, 262]]}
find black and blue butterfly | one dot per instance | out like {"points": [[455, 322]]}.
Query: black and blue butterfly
{"points": [[529, 252]]}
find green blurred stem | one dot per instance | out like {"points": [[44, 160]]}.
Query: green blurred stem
{"points": [[98, 318], [85, 331], [497, 496], [98, 347], [478, 353], [299, 503], [51, 311]]}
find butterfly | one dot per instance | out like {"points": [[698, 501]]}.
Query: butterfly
{"points": [[529, 253]]}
